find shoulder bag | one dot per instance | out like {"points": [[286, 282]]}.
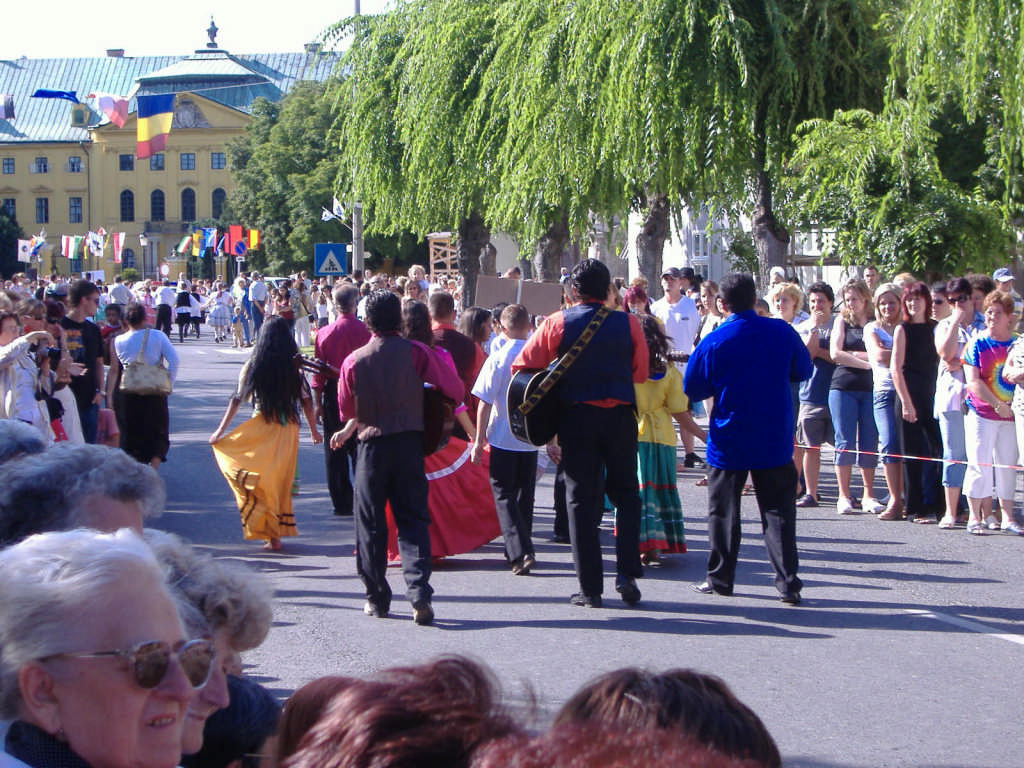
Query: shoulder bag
{"points": [[141, 378]]}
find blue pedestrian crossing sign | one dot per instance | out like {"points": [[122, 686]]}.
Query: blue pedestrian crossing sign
{"points": [[329, 259]]}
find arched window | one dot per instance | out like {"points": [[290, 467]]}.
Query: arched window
{"points": [[127, 205], [188, 204], [127, 258], [156, 205], [219, 195]]}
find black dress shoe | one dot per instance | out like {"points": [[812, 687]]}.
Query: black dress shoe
{"points": [[585, 601], [629, 591], [423, 613], [558, 539], [706, 588], [790, 598]]}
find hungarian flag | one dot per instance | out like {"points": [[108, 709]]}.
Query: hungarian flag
{"points": [[236, 239], [185, 244], [114, 108], [254, 239], [154, 123], [70, 246]]}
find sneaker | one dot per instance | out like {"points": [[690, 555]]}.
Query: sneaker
{"points": [[807, 501], [692, 460], [377, 611], [872, 506], [422, 613], [1013, 528], [845, 507], [585, 601], [991, 523]]}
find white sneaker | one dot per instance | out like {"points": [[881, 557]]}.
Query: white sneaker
{"points": [[845, 507], [991, 523], [872, 506]]}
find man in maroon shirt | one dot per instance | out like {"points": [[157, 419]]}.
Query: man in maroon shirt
{"points": [[380, 395], [333, 345]]}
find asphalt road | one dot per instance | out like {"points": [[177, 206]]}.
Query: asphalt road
{"points": [[908, 649]]}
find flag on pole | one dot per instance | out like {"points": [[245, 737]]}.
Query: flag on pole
{"points": [[114, 108], [209, 238], [254, 239], [337, 211], [221, 243], [94, 242], [70, 245], [236, 239], [118, 240], [185, 244], [197, 240], [46, 93], [25, 251], [154, 123]]}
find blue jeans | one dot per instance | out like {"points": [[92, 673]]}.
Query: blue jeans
{"points": [[89, 419], [853, 421], [888, 422], [954, 448]]}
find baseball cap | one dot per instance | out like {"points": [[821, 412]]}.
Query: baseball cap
{"points": [[672, 272], [687, 273], [1002, 275]]}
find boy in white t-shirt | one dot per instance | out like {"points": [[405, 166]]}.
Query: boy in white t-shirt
{"points": [[513, 463]]}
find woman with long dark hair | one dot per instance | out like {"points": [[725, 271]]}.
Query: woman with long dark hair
{"points": [[258, 457]]}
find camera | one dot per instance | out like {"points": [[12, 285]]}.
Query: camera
{"points": [[54, 354]]}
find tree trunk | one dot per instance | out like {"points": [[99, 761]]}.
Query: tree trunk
{"points": [[489, 260], [547, 260], [771, 240], [474, 235], [650, 243]]}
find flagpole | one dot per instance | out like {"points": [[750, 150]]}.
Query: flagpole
{"points": [[357, 208]]}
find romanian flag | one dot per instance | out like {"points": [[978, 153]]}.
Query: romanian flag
{"points": [[254, 239], [197, 241], [114, 108], [154, 123]]}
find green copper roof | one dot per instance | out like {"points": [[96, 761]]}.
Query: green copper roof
{"points": [[234, 81]]}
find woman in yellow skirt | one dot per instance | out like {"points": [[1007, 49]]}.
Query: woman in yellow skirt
{"points": [[258, 457]]}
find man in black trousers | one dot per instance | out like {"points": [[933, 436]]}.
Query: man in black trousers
{"points": [[597, 430], [746, 365], [334, 343], [380, 395]]}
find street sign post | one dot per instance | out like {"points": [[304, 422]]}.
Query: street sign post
{"points": [[329, 259]]}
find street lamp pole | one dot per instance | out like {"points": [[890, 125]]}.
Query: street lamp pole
{"points": [[357, 207]]}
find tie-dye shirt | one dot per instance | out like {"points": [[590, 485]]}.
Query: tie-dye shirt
{"points": [[989, 357]]}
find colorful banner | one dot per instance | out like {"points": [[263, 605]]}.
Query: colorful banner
{"points": [[114, 108], [46, 93], [118, 240], [236, 239], [25, 251], [209, 238], [254, 239], [154, 123]]}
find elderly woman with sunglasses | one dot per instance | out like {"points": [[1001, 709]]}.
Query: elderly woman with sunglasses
{"points": [[97, 669]]}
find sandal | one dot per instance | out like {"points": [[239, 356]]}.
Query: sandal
{"points": [[947, 523], [976, 529], [702, 482], [892, 514]]}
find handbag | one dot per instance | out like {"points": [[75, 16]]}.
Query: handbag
{"points": [[141, 378]]}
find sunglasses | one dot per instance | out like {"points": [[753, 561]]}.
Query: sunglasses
{"points": [[958, 299], [150, 661]]}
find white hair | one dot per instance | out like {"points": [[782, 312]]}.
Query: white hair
{"points": [[230, 596], [53, 583]]}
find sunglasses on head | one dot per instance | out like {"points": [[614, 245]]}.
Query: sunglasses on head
{"points": [[150, 661]]}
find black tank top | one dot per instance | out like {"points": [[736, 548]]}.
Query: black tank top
{"points": [[844, 377]]}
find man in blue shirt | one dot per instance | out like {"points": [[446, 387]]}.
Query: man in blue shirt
{"points": [[746, 365]]}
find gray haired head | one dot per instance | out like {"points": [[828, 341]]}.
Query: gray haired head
{"points": [[77, 486]]}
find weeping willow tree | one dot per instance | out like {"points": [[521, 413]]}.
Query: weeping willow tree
{"points": [[974, 53], [413, 73]]}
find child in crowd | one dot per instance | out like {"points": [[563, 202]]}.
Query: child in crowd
{"points": [[513, 463], [659, 400], [236, 325]]}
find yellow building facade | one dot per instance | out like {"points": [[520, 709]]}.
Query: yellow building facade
{"points": [[66, 169]]}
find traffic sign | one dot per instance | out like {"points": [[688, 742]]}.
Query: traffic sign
{"points": [[329, 259]]}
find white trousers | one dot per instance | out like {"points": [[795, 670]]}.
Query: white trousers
{"points": [[989, 442]]}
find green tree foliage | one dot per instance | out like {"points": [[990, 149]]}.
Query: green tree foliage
{"points": [[974, 52], [875, 179], [10, 233]]}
